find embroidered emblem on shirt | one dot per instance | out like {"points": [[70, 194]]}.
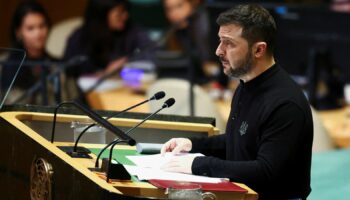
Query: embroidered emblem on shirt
{"points": [[243, 128]]}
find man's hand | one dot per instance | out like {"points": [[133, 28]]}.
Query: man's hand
{"points": [[180, 164], [177, 145]]}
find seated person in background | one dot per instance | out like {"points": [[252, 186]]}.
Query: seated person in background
{"points": [[191, 36], [29, 31], [340, 6], [107, 37], [268, 139]]}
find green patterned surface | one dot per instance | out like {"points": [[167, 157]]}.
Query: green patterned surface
{"points": [[118, 154], [330, 175]]}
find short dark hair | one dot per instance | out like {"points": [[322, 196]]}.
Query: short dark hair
{"points": [[256, 21]]}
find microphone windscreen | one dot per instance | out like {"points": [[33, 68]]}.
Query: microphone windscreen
{"points": [[131, 142], [168, 103], [158, 95]]}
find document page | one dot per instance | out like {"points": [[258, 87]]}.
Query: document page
{"points": [[149, 167]]}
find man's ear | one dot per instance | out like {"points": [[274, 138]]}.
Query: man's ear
{"points": [[259, 49]]}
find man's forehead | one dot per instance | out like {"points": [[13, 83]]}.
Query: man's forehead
{"points": [[230, 31]]}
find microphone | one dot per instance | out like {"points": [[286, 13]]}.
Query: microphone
{"points": [[47, 63], [24, 54], [119, 133], [156, 96], [52, 76], [167, 104]]}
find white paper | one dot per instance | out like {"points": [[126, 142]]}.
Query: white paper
{"points": [[148, 167], [156, 161]]}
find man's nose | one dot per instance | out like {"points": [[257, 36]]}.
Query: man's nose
{"points": [[219, 51]]}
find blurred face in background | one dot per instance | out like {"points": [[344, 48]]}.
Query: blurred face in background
{"points": [[177, 11], [340, 5], [33, 32], [117, 18]]}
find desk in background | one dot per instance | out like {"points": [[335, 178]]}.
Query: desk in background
{"points": [[119, 99], [337, 124]]}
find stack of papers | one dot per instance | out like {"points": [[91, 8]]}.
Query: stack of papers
{"points": [[149, 167]]}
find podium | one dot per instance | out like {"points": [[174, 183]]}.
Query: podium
{"points": [[31, 167]]}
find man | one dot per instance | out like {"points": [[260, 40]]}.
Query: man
{"points": [[269, 132]]}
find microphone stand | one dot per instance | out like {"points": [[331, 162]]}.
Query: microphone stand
{"points": [[41, 84], [54, 77], [94, 124], [127, 132], [119, 133], [157, 96], [117, 170]]}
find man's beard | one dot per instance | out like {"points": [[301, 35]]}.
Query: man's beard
{"points": [[242, 68]]}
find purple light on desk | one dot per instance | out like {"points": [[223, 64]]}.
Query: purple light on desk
{"points": [[132, 76]]}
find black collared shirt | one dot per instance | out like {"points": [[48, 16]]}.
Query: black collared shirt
{"points": [[268, 139]]}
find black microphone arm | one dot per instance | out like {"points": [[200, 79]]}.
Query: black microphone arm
{"points": [[45, 63], [167, 104], [119, 133], [156, 96], [52, 76]]}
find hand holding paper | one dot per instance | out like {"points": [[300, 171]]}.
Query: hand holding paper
{"points": [[152, 167], [177, 145], [180, 164]]}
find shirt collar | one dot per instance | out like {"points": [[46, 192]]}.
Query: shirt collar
{"points": [[254, 83]]}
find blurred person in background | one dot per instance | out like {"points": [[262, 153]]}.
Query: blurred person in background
{"points": [[191, 35], [340, 5], [192, 38], [108, 38], [29, 31]]}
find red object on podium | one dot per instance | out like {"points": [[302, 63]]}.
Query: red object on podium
{"points": [[224, 186]]}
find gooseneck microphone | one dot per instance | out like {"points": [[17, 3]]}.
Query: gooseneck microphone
{"points": [[156, 96], [119, 133], [167, 104]]}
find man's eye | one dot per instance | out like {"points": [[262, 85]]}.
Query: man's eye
{"points": [[227, 42]]}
